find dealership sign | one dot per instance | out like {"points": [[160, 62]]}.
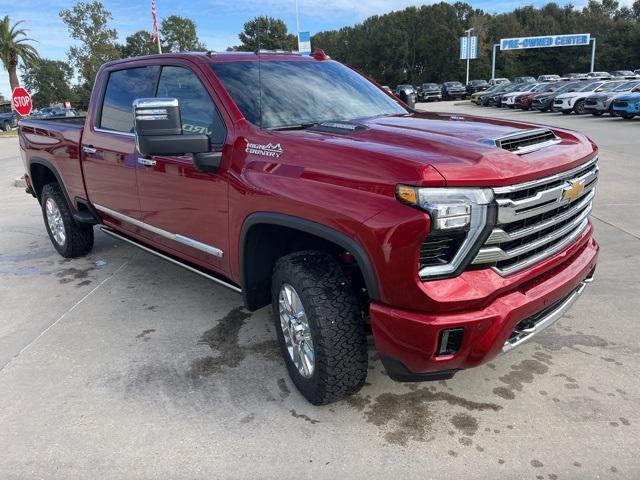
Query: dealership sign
{"points": [[546, 41]]}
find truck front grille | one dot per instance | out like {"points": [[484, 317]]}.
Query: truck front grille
{"points": [[538, 219]]}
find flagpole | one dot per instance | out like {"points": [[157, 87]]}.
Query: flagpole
{"points": [[156, 31]]}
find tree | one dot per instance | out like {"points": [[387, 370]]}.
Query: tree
{"points": [[88, 25], [50, 80], [266, 33], [178, 34], [138, 44], [14, 48]]}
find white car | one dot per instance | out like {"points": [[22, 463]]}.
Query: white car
{"points": [[574, 101], [509, 99]]}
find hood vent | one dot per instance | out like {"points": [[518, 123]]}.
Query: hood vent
{"points": [[527, 141]]}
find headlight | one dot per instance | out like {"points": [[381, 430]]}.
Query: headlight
{"points": [[459, 216]]}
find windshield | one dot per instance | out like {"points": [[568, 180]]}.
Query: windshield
{"points": [[429, 86], [281, 94], [625, 87], [608, 87], [624, 73], [590, 87], [453, 84]]}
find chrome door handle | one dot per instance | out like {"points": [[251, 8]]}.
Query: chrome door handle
{"points": [[147, 162], [89, 149]]}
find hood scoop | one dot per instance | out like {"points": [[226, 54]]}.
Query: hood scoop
{"points": [[526, 141], [340, 128]]}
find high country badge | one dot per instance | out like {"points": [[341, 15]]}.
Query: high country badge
{"points": [[268, 150]]}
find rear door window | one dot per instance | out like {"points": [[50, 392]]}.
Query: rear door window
{"points": [[123, 87]]}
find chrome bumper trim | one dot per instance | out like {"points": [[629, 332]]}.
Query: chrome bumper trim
{"points": [[550, 318]]}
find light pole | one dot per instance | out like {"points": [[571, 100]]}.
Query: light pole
{"points": [[468, 32], [493, 61], [298, 23]]}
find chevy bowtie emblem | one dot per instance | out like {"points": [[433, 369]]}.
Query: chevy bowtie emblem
{"points": [[574, 190]]}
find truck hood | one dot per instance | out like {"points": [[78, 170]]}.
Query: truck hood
{"points": [[462, 149]]}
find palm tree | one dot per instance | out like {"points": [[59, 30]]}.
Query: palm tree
{"points": [[13, 47]]}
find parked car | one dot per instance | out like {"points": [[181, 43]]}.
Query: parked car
{"points": [[574, 101], [453, 90], [387, 88], [407, 93], [524, 80], [496, 100], [576, 76], [430, 92], [52, 112], [509, 99], [600, 103], [627, 106], [498, 81], [523, 101], [599, 75], [628, 74], [543, 101], [477, 97], [548, 78], [311, 224], [637, 72], [493, 99], [475, 86], [8, 118]]}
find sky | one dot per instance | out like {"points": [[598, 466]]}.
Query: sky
{"points": [[218, 21]]}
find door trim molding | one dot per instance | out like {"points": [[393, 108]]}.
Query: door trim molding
{"points": [[189, 242]]}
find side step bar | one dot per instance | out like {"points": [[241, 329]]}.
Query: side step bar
{"points": [[172, 260]]}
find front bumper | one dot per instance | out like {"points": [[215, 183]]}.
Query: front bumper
{"points": [[408, 341]]}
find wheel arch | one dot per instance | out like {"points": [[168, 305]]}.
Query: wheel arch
{"points": [[256, 267], [42, 172]]}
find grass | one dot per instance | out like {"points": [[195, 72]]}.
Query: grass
{"points": [[12, 133]]}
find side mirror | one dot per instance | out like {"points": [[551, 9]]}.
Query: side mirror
{"points": [[158, 129]]}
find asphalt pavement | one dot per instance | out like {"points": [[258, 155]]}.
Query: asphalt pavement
{"points": [[119, 365]]}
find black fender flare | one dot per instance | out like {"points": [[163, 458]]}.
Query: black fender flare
{"points": [[54, 170], [313, 228]]}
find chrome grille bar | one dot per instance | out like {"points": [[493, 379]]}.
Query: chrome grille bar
{"points": [[537, 219]]}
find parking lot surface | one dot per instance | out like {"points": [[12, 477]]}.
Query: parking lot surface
{"points": [[120, 365]]}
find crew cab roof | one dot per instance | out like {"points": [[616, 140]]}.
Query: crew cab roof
{"points": [[221, 57]]}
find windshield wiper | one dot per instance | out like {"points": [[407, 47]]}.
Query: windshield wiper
{"points": [[299, 126]]}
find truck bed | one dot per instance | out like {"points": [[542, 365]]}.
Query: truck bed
{"points": [[55, 142]]}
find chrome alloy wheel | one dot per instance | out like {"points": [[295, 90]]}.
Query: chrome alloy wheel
{"points": [[296, 330], [54, 219]]}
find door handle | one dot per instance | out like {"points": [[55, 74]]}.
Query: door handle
{"points": [[89, 149], [147, 162]]}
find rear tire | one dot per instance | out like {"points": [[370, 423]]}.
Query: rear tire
{"points": [[597, 114], [332, 322], [7, 127], [69, 239]]}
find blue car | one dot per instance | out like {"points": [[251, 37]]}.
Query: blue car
{"points": [[627, 106]]}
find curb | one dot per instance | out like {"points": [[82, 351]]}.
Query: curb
{"points": [[20, 182]]}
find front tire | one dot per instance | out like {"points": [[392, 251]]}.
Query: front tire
{"points": [[7, 127], [627, 116], [69, 239], [319, 326], [579, 107]]}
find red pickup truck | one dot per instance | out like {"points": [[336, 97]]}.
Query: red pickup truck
{"points": [[299, 183]]}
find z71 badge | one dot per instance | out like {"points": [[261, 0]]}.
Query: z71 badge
{"points": [[268, 150]]}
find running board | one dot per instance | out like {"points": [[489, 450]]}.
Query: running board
{"points": [[171, 259]]}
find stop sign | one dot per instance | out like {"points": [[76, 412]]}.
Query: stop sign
{"points": [[21, 101]]}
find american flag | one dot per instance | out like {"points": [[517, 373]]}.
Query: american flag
{"points": [[154, 15]]}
